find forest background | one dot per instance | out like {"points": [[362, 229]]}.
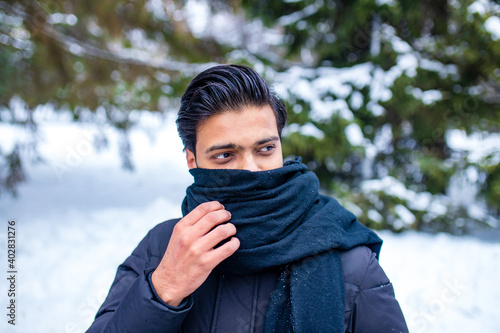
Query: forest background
{"points": [[394, 104]]}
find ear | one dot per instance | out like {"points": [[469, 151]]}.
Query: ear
{"points": [[191, 159]]}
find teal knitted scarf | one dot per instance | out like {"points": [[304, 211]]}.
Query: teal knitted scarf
{"points": [[284, 223]]}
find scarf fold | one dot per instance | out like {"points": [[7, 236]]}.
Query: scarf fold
{"points": [[284, 223]]}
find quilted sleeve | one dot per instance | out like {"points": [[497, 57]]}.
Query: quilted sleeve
{"points": [[375, 308], [132, 304]]}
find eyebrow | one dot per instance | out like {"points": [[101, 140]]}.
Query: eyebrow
{"points": [[234, 146]]}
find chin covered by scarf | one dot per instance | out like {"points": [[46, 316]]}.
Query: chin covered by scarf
{"points": [[284, 223]]}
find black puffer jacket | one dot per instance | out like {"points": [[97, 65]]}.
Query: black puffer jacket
{"points": [[235, 303]]}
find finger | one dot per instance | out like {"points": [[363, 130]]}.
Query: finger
{"points": [[200, 211], [217, 235], [210, 221], [216, 256]]}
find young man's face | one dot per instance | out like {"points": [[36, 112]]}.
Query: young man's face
{"points": [[245, 139]]}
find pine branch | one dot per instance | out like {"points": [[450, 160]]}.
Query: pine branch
{"points": [[80, 48]]}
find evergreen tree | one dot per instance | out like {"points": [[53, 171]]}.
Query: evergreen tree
{"points": [[389, 86], [99, 57], [383, 96]]}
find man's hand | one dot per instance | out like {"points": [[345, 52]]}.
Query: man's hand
{"points": [[190, 255]]}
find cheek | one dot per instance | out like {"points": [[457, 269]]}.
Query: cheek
{"points": [[273, 163]]}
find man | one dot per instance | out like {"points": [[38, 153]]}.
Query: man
{"points": [[258, 249]]}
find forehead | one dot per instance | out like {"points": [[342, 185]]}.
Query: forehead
{"points": [[251, 123]]}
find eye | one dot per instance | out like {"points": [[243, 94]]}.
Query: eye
{"points": [[267, 149], [221, 156]]}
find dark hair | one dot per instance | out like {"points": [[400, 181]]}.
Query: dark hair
{"points": [[224, 88]]}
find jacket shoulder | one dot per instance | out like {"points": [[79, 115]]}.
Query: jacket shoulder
{"points": [[156, 241], [163, 229], [361, 268], [370, 303]]}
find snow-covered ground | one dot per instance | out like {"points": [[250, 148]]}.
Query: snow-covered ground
{"points": [[80, 215]]}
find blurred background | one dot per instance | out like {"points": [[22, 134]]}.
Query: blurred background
{"points": [[394, 104]]}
